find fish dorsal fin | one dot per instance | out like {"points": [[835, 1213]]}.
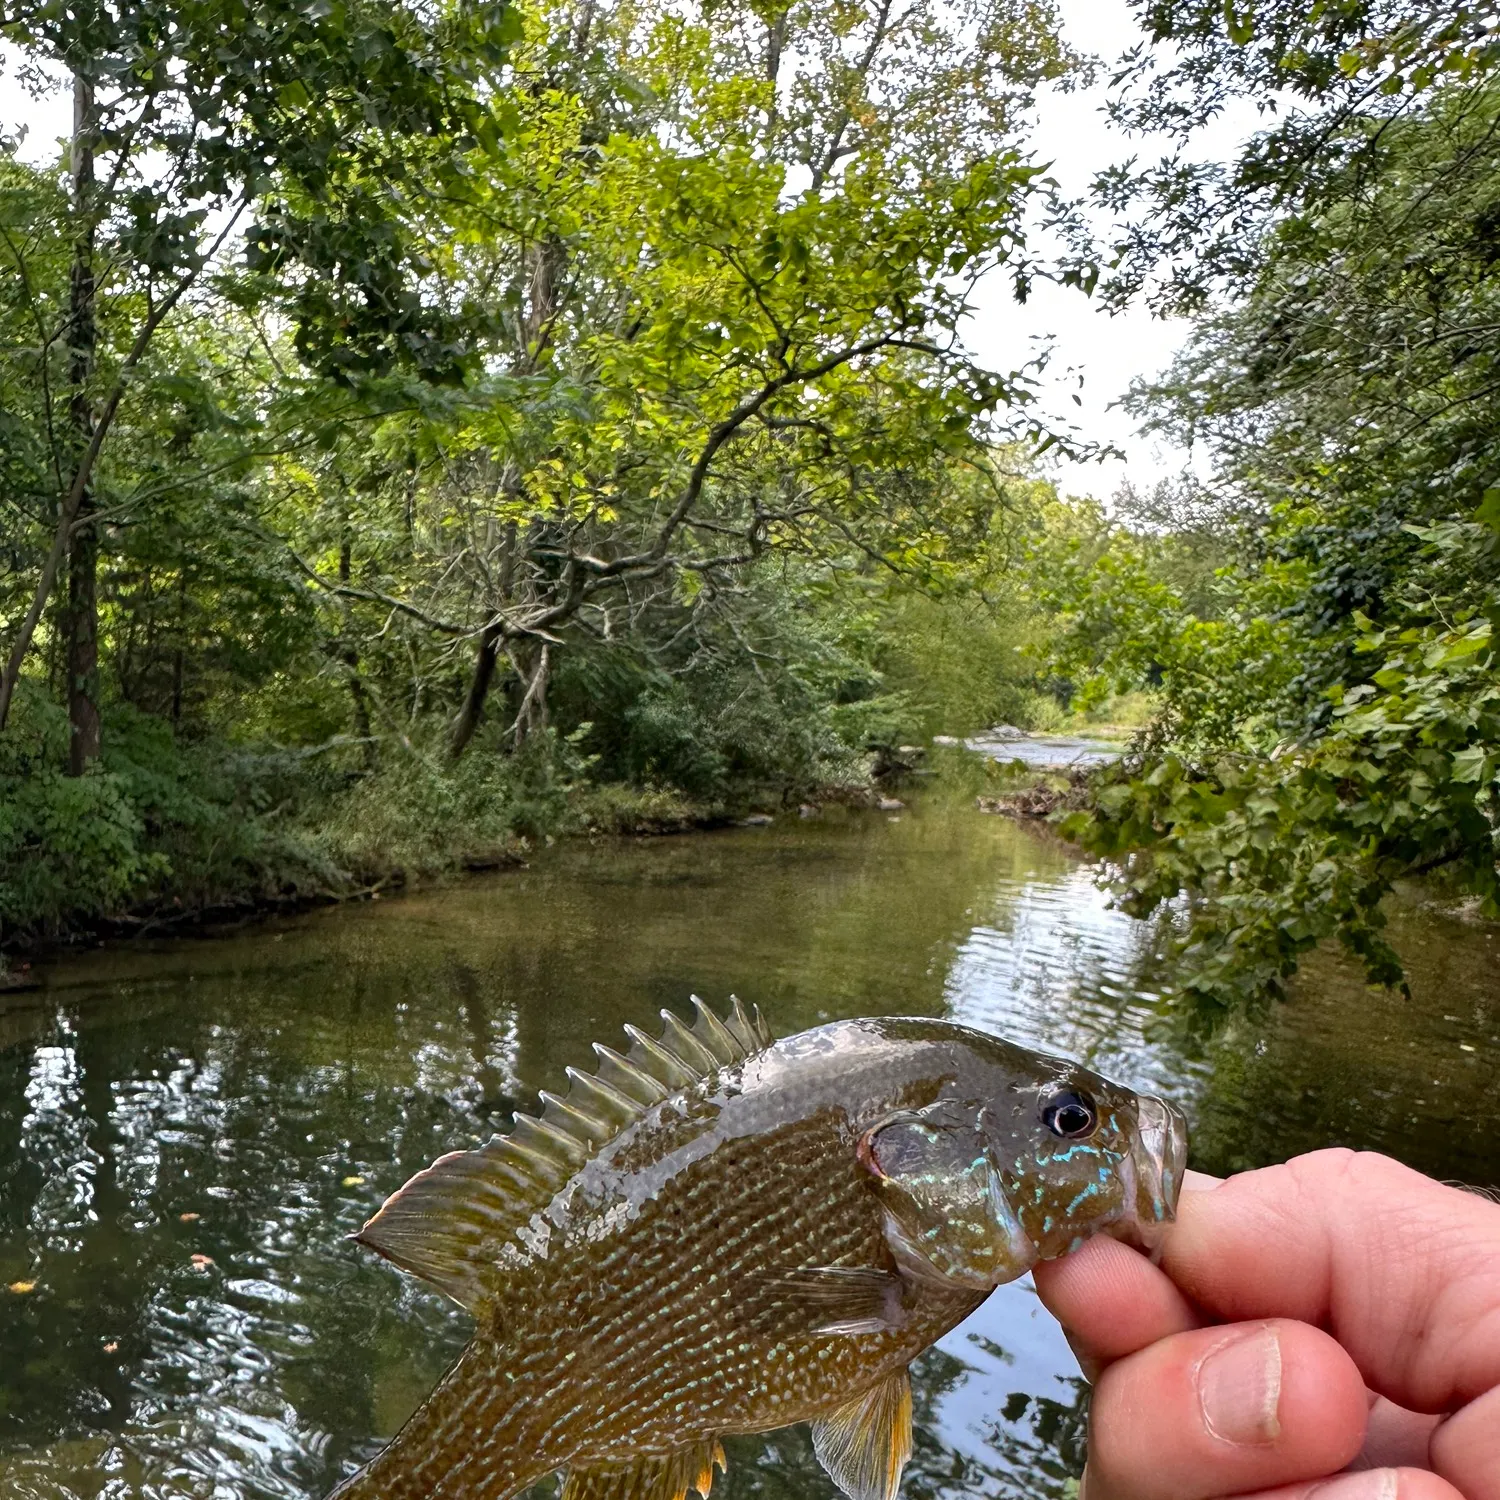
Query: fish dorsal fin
{"points": [[865, 1444], [450, 1224], [652, 1476]]}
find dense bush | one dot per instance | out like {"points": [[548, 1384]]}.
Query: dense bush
{"points": [[156, 824]]}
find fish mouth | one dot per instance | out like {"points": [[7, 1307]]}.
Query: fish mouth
{"points": [[1160, 1158]]}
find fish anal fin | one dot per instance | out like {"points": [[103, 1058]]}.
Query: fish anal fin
{"points": [[865, 1444], [842, 1299], [452, 1222], [652, 1476]]}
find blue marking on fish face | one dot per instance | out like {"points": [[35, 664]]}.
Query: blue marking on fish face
{"points": [[1089, 1190], [1068, 1188]]}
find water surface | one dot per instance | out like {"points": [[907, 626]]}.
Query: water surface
{"points": [[1044, 752], [189, 1131]]}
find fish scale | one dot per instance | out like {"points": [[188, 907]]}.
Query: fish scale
{"points": [[707, 1244], [634, 1343]]}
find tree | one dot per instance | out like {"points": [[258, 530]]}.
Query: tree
{"points": [[1328, 78], [617, 384], [1332, 733], [725, 321], [310, 118]]}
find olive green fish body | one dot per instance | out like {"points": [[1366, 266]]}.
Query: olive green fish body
{"points": [[764, 1233]]}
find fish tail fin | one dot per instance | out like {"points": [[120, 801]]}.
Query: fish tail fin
{"points": [[467, 1441]]}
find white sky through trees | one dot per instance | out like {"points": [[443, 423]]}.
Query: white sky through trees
{"points": [[1109, 352], [1074, 135]]}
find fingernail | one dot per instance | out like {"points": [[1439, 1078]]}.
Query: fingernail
{"points": [[1239, 1387], [1378, 1484], [1200, 1182]]}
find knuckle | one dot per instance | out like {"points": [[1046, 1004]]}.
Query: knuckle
{"points": [[1345, 1171]]}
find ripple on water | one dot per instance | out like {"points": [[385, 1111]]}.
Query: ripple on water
{"points": [[1056, 966]]}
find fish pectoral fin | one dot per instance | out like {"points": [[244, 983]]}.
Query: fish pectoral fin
{"points": [[865, 1444], [652, 1476], [843, 1299]]}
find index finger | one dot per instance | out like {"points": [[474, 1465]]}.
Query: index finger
{"points": [[1111, 1301], [1403, 1271]]}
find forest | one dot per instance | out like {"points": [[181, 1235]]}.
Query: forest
{"points": [[431, 429]]}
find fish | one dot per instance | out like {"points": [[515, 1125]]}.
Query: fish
{"points": [[717, 1233]]}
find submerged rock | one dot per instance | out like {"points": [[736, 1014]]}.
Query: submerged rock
{"points": [[1039, 801]]}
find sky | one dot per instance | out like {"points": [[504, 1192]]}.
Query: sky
{"points": [[1108, 352]]}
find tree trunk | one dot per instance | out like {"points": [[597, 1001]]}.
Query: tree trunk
{"points": [[479, 686], [179, 655], [350, 653], [82, 618], [547, 260], [68, 510], [83, 649], [533, 669], [490, 640], [776, 29]]}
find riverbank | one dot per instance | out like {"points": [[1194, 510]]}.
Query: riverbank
{"points": [[199, 839], [168, 838]]}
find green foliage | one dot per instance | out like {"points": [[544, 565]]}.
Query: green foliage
{"points": [[1328, 724], [423, 815], [1283, 851], [724, 328], [68, 845], [577, 385], [785, 698], [1124, 620], [155, 826], [955, 665], [1327, 79], [320, 117]]}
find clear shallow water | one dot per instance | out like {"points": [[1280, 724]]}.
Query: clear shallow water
{"points": [[1055, 752], [274, 1085]]}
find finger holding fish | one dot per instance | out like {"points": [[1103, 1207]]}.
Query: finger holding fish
{"points": [[1369, 1292]]}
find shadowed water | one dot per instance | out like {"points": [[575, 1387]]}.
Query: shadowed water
{"points": [[187, 1133]]}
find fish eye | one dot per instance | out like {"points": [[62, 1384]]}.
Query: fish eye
{"points": [[1071, 1115]]}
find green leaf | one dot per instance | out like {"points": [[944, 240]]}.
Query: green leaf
{"points": [[1488, 511]]}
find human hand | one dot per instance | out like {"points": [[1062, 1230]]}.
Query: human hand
{"points": [[1335, 1316]]}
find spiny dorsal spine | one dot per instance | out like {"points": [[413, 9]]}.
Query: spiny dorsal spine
{"points": [[656, 1068], [451, 1222]]}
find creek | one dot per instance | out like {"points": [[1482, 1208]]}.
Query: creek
{"points": [[190, 1129]]}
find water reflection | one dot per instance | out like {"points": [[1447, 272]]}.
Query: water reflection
{"points": [[187, 1133]]}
